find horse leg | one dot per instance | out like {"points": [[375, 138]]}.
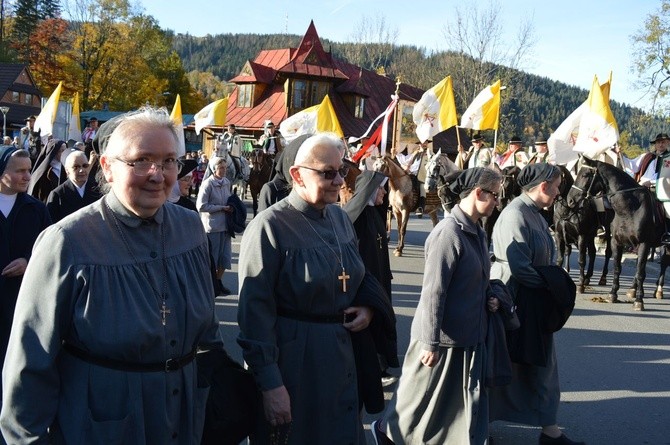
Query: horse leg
{"points": [[389, 218], [254, 203], [608, 255], [640, 275], [581, 260], [618, 254], [591, 250], [399, 217], [665, 261]]}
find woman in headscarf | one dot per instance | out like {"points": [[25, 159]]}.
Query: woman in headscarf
{"points": [[280, 185], [441, 397], [522, 243], [48, 171]]}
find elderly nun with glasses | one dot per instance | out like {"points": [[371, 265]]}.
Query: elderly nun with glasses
{"points": [[103, 345]]}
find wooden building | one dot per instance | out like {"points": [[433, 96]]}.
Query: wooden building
{"points": [[20, 94]]}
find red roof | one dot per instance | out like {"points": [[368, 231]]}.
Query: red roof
{"points": [[309, 59]]}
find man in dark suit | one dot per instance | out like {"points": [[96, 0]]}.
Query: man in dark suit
{"points": [[77, 192]]}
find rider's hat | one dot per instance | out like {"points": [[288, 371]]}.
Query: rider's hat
{"points": [[515, 140], [477, 137], [660, 137]]}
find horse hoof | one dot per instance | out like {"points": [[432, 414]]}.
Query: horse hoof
{"points": [[631, 293], [397, 253], [580, 289], [587, 281], [659, 293], [602, 282], [638, 306], [611, 298]]}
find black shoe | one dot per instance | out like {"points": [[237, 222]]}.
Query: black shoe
{"points": [[560, 440], [388, 379], [419, 212], [378, 435], [224, 291]]}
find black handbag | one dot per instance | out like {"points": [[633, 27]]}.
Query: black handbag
{"points": [[233, 400]]}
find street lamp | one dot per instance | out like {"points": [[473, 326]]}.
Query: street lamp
{"points": [[4, 110]]}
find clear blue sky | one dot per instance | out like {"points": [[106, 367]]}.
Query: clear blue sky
{"points": [[575, 38]]}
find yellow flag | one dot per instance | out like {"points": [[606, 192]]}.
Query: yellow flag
{"points": [[45, 121], [484, 112], [213, 114], [178, 120], [597, 128], [74, 129], [435, 111], [320, 117]]}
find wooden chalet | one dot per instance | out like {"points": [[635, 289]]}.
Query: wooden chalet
{"points": [[19, 93], [281, 82]]}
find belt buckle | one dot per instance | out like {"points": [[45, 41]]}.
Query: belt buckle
{"points": [[171, 365]]}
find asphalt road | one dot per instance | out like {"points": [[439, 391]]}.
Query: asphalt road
{"points": [[614, 363]]}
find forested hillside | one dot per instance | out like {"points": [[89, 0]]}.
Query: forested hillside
{"points": [[532, 106]]}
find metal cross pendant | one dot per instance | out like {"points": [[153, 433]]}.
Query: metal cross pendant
{"points": [[164, 312], [344, 277], [379, 240]]}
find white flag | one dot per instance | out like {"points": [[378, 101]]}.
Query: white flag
{"points": [[45, 121], [484, 112], [74, 130], [212, 114]]}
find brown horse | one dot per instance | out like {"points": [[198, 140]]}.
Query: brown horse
{"points": [[349, 186], [404, 197], [261, 172]]}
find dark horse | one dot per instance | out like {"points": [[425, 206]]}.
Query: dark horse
{"points": [[578, 225], [261, 172], [636, 220]]}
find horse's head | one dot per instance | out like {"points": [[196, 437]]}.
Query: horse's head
{"points": [[588, 183], [437, 168], [566, 181], [258, 160], [382, 166], [510, 189]]}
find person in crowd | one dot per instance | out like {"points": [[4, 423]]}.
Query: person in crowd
{"points": [[476, 156], [280, 185], [521, 243], [48, 172], [77, 192], [182, 189], [441, 395], [367, 211], [7, 140], [300, 278], [271, 140], [231, 141], [646, 167], [24, 136], [414, 164], [541, 153], [22, 218], [514, 156], [212, 203], [108, 357], [89, 134]]}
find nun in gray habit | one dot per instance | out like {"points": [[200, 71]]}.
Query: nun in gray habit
{"points": [[521, 243], [441, 397]]}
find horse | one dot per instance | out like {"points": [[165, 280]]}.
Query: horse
{"points": [[349, 186], [578, 225], [403, 197], [440, 172], [636, 221], [261, 173]]}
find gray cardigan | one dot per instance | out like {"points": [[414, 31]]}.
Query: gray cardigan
{"points": [[452, 308]]}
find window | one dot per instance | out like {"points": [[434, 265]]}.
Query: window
{"points": [[28, 99], [359, 107], [306, 93], [245, 95], [15, 97]]}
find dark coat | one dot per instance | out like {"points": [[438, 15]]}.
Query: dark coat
{"points": [[236, 221], [378, 338], [19, 231], [542, 311], [65, 200], [43, 179]]}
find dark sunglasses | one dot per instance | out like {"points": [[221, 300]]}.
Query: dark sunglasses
{"points": [[495, 195], [329, 174]]}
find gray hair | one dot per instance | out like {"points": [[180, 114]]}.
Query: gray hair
{"points": [[306, 151]]}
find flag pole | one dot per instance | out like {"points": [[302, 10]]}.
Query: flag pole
{"points": [[395, 117]]}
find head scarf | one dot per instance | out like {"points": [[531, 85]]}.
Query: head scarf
{"points": [[285, 160], [101, 138], [466, 181], [367, 184], [6, 151], [43, 163], [535, 174]]}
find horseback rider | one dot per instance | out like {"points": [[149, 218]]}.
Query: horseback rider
{"points": [[514, 156], [477, 155], [541, 154], [24, 138], [272, 140], [414, 164], [229, 143]]}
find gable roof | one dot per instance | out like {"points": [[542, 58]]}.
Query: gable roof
{"points": [[9, 73]]}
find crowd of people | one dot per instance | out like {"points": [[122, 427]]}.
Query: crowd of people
{"points": [[131, 279]]}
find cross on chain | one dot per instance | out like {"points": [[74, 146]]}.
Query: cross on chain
{"points": [[379, 240], [164, 312], [343, 277]]}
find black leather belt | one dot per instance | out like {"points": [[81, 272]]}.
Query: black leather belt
{"points": [[172, 364], [339, 318]]}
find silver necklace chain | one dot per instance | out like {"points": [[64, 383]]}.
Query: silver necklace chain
{"points": [[164, 311]]}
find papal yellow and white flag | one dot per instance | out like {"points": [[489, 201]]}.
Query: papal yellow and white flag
{"points": [[212, 114], [74, 128], [435, 111], [598, 130], [484, 111], [45, 121], [314, 119], [178, 120]]}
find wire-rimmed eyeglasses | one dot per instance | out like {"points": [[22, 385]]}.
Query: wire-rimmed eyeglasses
{"points": [[145, 168]]}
